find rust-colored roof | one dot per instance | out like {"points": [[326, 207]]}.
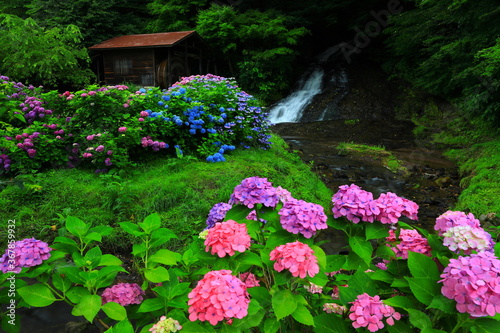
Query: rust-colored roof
{"points": [[143, 40]]}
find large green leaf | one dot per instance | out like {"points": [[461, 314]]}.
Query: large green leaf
{"points": [[376, 230], [150, 223], [303, 316], [157, 275], [166, 257], [88, 306], [283, 303], [114, 311], [131, 228], [419, 319], [444, 304], [76, 226], [151, 304], [421, 266], [362, 248], [330, 323], [424, 289], [38, 295]]}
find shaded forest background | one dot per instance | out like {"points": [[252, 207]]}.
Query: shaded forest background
{"points": [[449, 48]]}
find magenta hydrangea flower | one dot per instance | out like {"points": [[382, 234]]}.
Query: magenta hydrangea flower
{"points": [[226, 238], [254, 190], [218, 296], [166, 325], [367, 311], [217, 213], [455, 218], [298, 216], [249, 279], [123, 294], [409, 241], [355, 204], [392, 207], [474, 283], [296, 257], [467, 239], [28, 252]]}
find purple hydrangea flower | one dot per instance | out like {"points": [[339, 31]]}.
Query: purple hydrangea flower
{"points": [[28, 252], [454, 218], [217, 213], [474, 283], [254, 190], [123, 294], [355, 204], [298, 216]]}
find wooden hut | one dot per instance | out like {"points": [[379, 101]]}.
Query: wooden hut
{"points": [[158, 59]]}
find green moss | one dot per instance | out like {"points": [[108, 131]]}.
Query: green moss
{"points": [[385, 157], [182, 191]]}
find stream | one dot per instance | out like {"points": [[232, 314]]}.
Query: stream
{"points": [[355, 104]]}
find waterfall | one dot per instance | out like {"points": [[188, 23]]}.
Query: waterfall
{"points": [[290, 108]]}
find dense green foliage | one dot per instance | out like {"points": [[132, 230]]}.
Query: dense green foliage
{"points": [[450, 48], [182, 191], [49, 57]]}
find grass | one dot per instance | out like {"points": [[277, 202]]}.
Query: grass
{"points": [[386, 158], [182, 191]]}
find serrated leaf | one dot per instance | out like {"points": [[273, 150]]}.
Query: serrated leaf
{"points": [[328, 323], [166, 257], [157, 275], [303, 316], [419, 319], [131, 228], [114, 311], [271, 325], [75, 294], [375, 230], [150, 223], [421, 266], [362, 248], [151, 304], [320, 255], [424, 289], [110, 260], [92, 236], [123, 326], [400, 302], [283, 303], [38, 295], [88, 307], [61, 283], [76, 227], [444, 304]]}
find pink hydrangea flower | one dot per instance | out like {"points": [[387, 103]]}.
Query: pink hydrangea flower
{"points": [[122, 129], [28, 252], [467, 239], [409, 240], [253, 216], [144, 114], [355, 204], [298, 216], [226, 238], [296, 257], [100, 148], [166, 325], [217, 213], [367, 311], [218, 296], [254, 190], [283, 194], [334, 308], [392, 207], [123, 294], [454, 218], [474, 283], [249, 279]]}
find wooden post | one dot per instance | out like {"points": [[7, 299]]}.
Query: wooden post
{"points": [[169, 67]]}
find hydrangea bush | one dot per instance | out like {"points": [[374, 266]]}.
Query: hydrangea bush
{"points": [[102, 127], [250, 272]]}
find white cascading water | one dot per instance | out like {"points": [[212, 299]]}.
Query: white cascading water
{"points": [[290, 109]]}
